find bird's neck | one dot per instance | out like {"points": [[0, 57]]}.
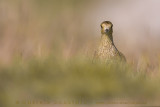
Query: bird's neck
{"points": [[107, 39]]}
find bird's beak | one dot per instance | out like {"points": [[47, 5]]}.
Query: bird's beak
{"points": [[107, 30]]}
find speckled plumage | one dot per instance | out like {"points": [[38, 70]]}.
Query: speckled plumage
{"points": [[107, 51]]}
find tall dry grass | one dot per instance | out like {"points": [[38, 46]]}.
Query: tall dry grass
{"points": [[46, 48]]}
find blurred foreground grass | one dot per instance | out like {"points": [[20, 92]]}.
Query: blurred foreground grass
{"points": [[54, 77]]}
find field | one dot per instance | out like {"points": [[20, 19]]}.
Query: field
{"points": [[47, 47]]}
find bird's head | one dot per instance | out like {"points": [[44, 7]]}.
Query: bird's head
{"points": [[106, 27]]}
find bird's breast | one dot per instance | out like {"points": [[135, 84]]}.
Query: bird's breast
{"points": [[106, 51]]}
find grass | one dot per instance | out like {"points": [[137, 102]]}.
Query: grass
{"points": [[31, 30], [54, 77]]}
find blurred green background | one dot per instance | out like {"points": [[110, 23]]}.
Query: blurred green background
{"points": [[46, 50]]}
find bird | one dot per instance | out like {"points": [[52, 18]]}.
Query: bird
{"points": [[107, 51]]}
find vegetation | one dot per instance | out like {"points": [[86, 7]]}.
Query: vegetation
{"points": [[53, 78], [46, 51]]}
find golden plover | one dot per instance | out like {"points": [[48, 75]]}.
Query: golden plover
{"points": [[107, 51]]}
